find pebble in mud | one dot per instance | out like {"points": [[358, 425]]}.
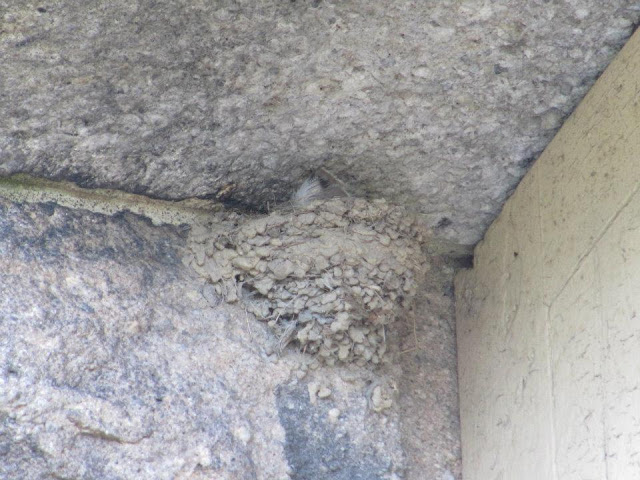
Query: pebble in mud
{"points": [[329, 277]]}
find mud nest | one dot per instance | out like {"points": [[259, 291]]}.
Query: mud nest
{"points": [[330, 277]]}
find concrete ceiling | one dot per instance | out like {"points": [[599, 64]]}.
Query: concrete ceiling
{"points": [[438, 105]]}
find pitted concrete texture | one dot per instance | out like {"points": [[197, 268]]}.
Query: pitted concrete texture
{"points": [[439, 105]]}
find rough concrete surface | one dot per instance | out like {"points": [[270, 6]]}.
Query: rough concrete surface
{"points": [[437, 105], [117, 361], [428, 384]]}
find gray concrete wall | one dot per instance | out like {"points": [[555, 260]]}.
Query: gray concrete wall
{"points": [[435, 105], [548, 319]]}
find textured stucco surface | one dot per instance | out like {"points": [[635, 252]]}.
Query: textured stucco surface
{"points": [[437, 105], [548, 330]]}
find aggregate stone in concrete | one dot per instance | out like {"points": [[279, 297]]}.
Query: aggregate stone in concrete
{"points": [[436, 105], [117, 361]]}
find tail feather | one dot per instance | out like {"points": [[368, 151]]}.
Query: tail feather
{"points": [[310, 190]]}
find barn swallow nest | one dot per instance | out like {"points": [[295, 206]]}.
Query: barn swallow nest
{"points": [[329, 276]]}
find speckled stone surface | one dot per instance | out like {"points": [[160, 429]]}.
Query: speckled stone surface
{"points": [[436, 105], [113, 365], [117, 361]]}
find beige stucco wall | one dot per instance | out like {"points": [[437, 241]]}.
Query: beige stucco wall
{"points": [[549, 318]]}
